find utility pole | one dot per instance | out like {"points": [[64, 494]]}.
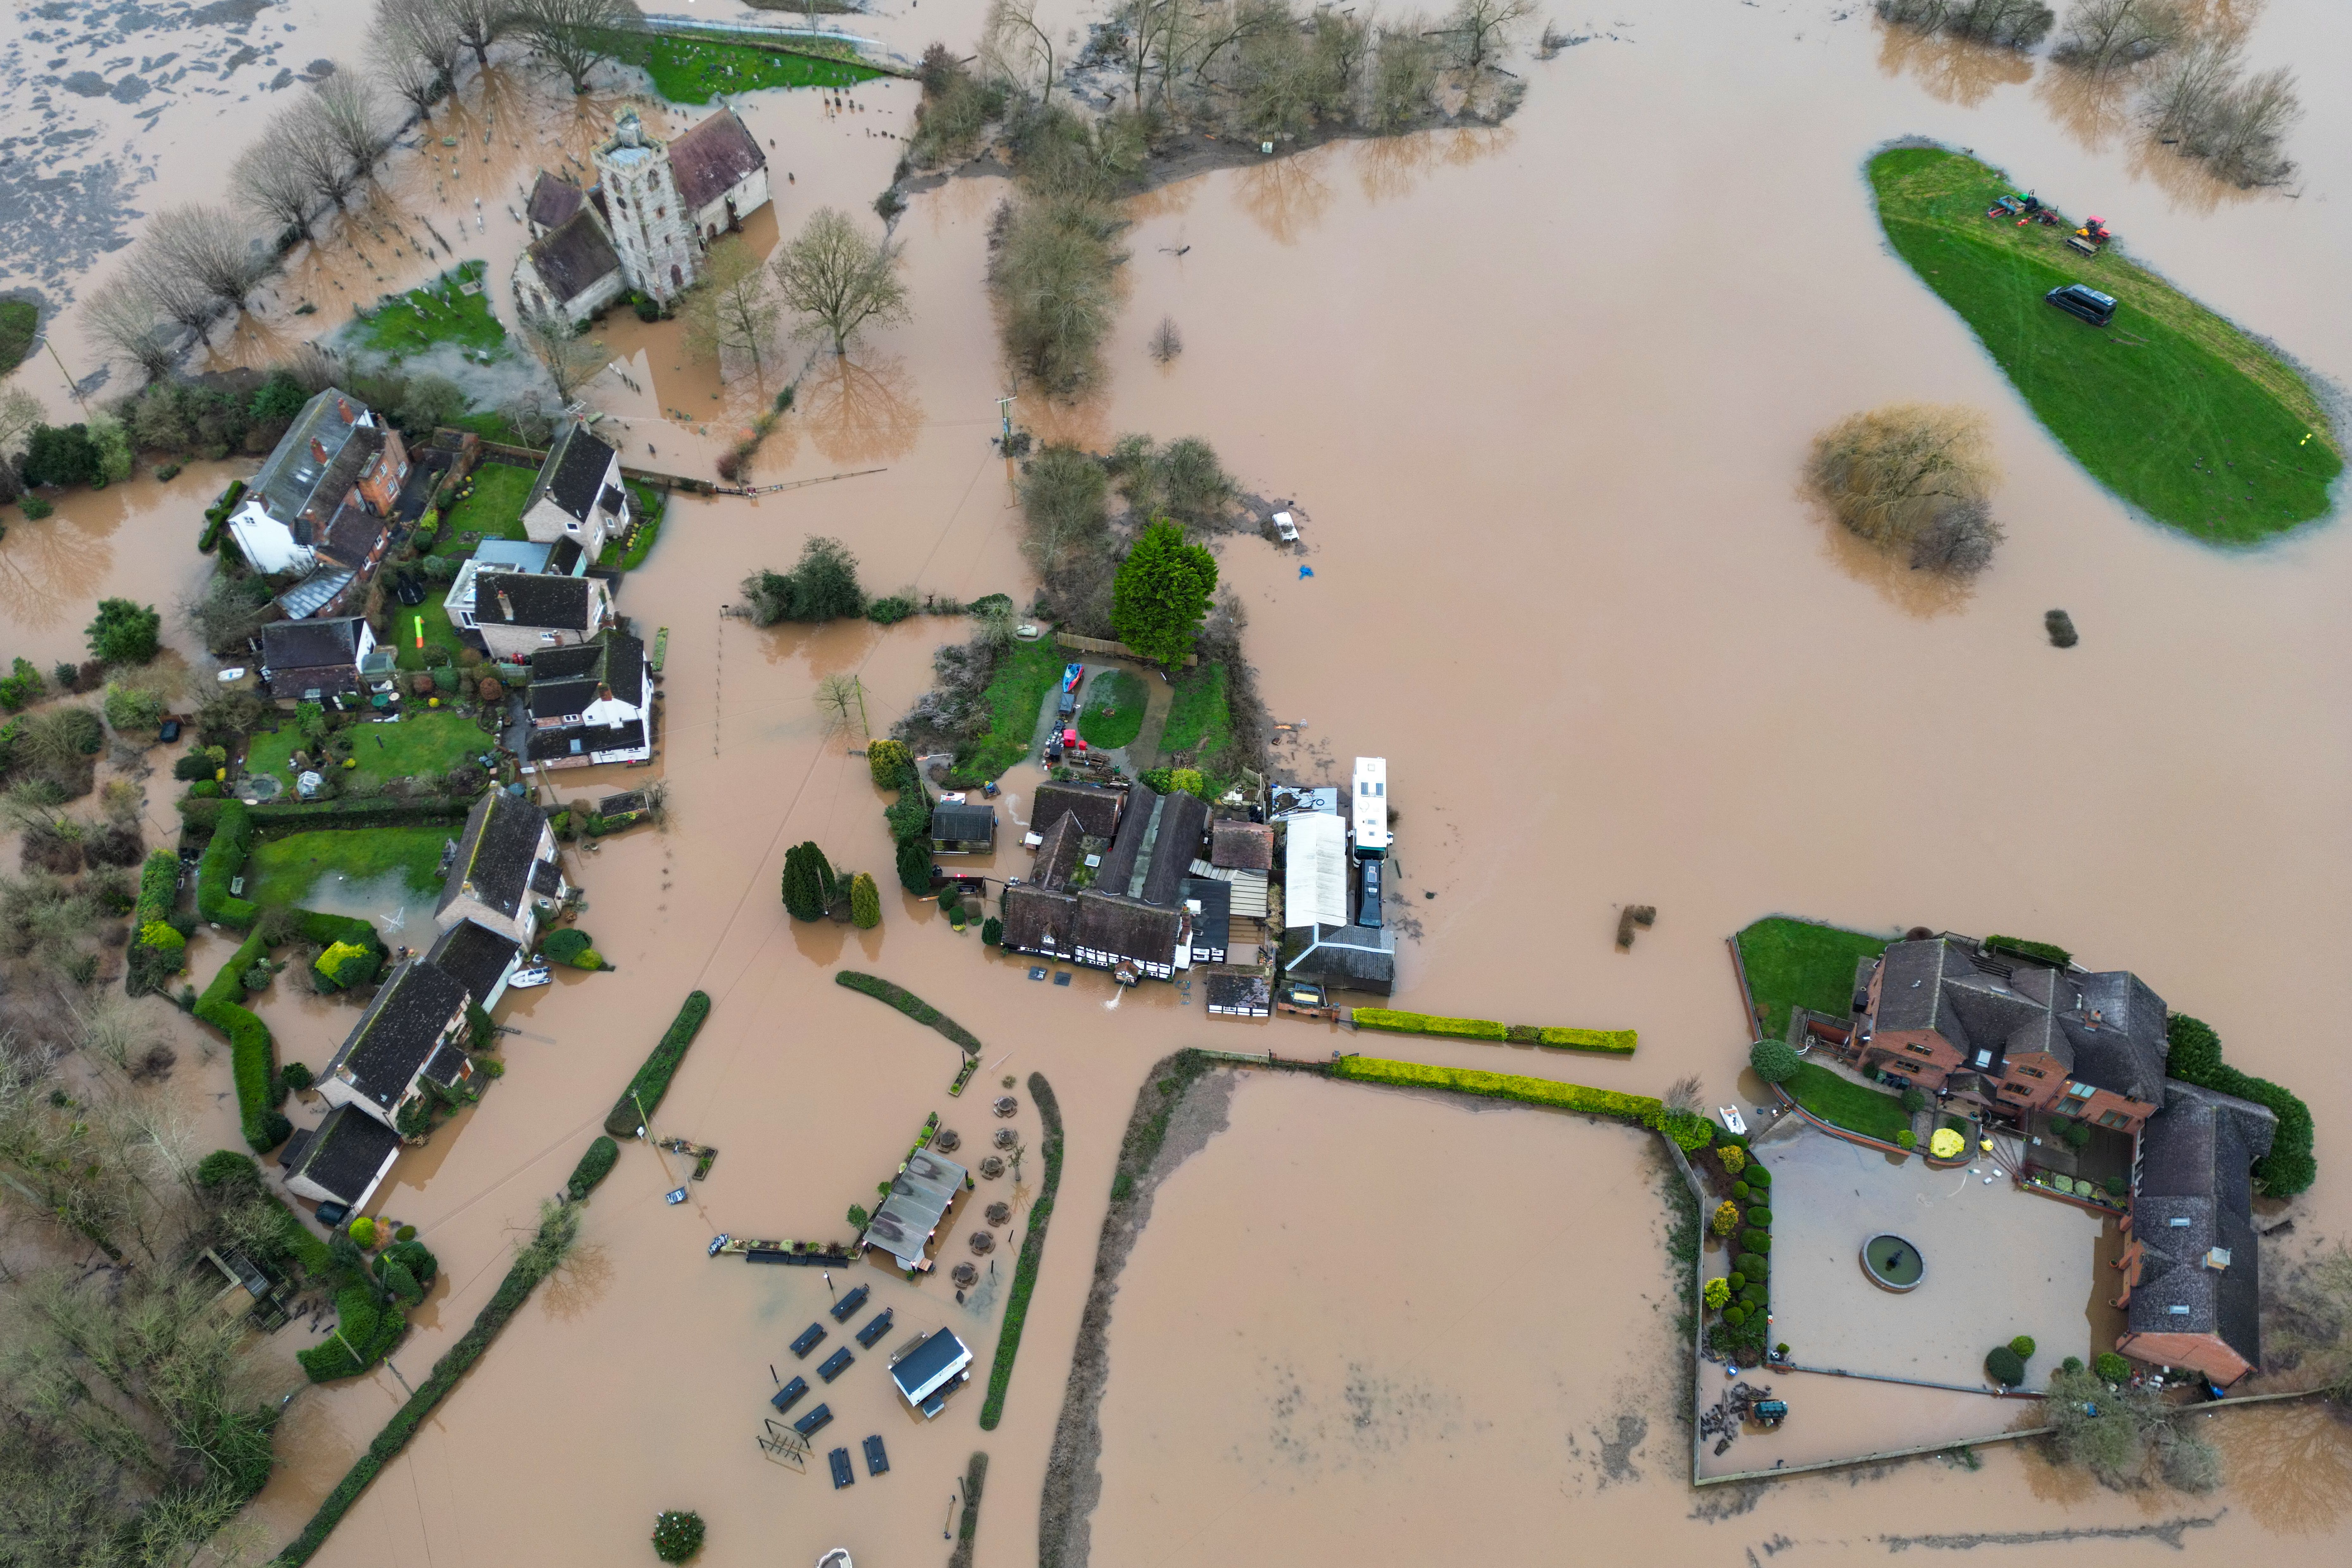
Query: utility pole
{"points": [[74, 387], [1005, 412]]}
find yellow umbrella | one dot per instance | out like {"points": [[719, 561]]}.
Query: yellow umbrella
{"points": [[1945, 1143]]}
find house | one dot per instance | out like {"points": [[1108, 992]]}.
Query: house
{"points": [[563, 558], [2191, 1259], [1368, 808], [588, 703], [963, 827], [645, 225], [1159, 837], [1239, 996], [1342, 956], [578, 495], [1238, 846], [340, 1161], [503, 875], [933, 1369], [315, 660], [518, 613], [478, 958], [1095, 807], [1127, 936], [414, 1030], [318, 511], [1041, 921], [1315, 871], [1209, 902], [2014, 1033], [920, 1194]]}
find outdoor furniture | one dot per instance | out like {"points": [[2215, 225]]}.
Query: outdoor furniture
{"points": [[813, 1421], [876, 1462], [842, 1474], [850, 1303], [874, 1329], [836, 1364], [785, 1398], [809, 1338]]}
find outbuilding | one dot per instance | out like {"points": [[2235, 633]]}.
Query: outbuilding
{"points": [[933, 1369], [963, 827]]}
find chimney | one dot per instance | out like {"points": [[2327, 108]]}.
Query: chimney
{"points": [[604, 692], [506, 606], [343, 406], [318, 450]]}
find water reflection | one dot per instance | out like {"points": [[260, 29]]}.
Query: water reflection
{"points": [[2093, 107], [1952, 69], [2188, 185], [1920, 594], [2290, 1466], [860, 410], [586, 1275], [51, 569], [1286, 196]]}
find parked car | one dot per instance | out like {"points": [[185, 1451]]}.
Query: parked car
{"points": [[2079, 299], [1368, 907], [1285, 528]]}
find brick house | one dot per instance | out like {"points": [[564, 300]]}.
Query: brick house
{"points": [[2192, 1259], [319, 510]]}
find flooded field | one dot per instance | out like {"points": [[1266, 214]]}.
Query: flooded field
{"points": [[1540, 393]]}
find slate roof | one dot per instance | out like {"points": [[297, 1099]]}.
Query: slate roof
{"points": [[1212, 927], [553, 200], [1117, 868], [475, 956], [564, 663], [1244, 846], [714, 157], [1158, 837], [1037, 920], [1057, 856], [1239, 991], [311, 645], [962, 822], [2107, 1030], [565, 679], [343, 472], [351, 534], [573, 258], [1354, 957], [293, 474], [1097, 808], [343, 1153], [574, 474], [2117, 1026], [2195, 1193], [534, 600], [400, 1031], [1127, 928], [495, 857], [582, 739]]}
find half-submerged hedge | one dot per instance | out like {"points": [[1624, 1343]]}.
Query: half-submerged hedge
{"points": [[1033, 1254], [593, 1167], [909, 1003], [224, 858], [253, 1054], [2195, 1056], [1612, 1042], [646, 1090], [1641, 1109]]}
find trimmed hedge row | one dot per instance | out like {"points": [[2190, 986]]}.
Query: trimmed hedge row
{"points": [[1641, 1109], [159, 887], [512, 1292], [224, 858], [909, 1003], [1613, 1042], [2195, 1056], [1033, 1254], [217, 516], [593, 1167], [253, 1054], [373, 1333], [646, 1090]]}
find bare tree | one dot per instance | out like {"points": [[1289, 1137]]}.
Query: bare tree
{"points": [[19, 411], [209, 245], [574, 36], [123, 317], [313, 150], [1011, 40], [2241, 138], [2191, 87], [352, 116], [1167, 343], [837, 694], [478, 24], [1481, 33], [735, 309], [227, 610], [1959, 539], [2101, 34], [1912, 477], [571, 361], [833, 276], [425, 30], [274, 180]]}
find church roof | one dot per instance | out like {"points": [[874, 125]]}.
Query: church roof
{"points": [[553, 200], [573, 258], [713, 158]]}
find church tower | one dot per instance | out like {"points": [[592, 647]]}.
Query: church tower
{"points": [[650, 228]]}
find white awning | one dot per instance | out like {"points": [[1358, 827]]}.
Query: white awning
{"points": [[1315, 872]]}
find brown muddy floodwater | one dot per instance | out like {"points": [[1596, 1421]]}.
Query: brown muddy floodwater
{"points": [[1540, 394]]}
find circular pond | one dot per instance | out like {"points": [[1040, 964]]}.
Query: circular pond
{"points": [[1893, 1263]]}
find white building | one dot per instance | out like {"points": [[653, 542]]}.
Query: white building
{"points": [[1371, 814], [579, 495]]}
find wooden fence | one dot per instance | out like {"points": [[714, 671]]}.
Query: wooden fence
{"points": [[1116, 649]]}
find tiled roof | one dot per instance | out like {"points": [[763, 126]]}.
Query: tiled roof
{"points": [[352, 535], [292, 472], [713, 158], [311, 645], [1097, 808], [495, 857], [1145, 933], [1037, 920], [574, 473], [573, 258], [1350, 957], [400, 1031], [535, 600], [1057, 856], [2196, 1194], [553, 200], [1244, 846], [344, 1151], [474, 955]]}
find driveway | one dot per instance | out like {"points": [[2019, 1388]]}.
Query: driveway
{"points": [[1136, 755]]}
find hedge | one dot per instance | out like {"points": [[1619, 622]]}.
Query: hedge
{"points": [[2048, 952], [360, 813], [512, 1292], [253, 1055], [1033, 1254], [646, 1090], [1642, 1110], [159, 887], [1613, 1042], [217, 516], [372, 1332], [593, 1167], [2194, 1055], [909, 1003], [224, 858]]}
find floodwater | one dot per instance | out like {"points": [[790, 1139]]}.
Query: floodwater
{"points": [[1541, 393]]}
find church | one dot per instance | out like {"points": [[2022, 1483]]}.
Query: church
{"points": [[644, 224]]}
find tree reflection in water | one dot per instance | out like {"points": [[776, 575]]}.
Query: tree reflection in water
{"points": [[1952, 69], [50, 571], [860, 410], [1287, 196]]}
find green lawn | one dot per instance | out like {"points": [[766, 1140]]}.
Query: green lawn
{"points": [[1199, 721], [490, 425], [1015, 695], [1113, 713], [424, 742], [493, 508], [1845, 1103], [439, 631], [284, 870], [20, 320], [694, 70], [647, 505], [440, 311], [2169, 406], [1799, 964]]}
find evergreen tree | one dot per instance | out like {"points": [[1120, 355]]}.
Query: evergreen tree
{"points": [[1163, 593], [809, 885], [125, 632], [915, 866], [864, 902]]}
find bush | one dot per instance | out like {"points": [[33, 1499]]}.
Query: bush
{"points": [[1775, 1061], [194, 766], [1717, 1294], [257, 978], [1752, 1264], [1906, 1139], [809, 884], [2040, 952], [646, 1090], [991, 932], [677, 1535], [2111, 1367], [594, 1166], [1735, 1315], [1757, 1241], [889, 762], [1741, 1192], [294, 1075], [128, 710], [1915, 1100], [227, 1168], [36, 508], [858, 1216], [125, 632], [345, 965], [889, 612], [915, 866], [1734, 1158], [565, 944], [864, 902], [1727, 1218], [2023, 1346], [822, 586], [1758, 1177], [363, 1231], [2004, 1366], [2074, 1134], [1760, 1217], [1736, 1280]]}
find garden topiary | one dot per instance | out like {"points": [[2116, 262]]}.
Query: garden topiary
{"points": [[677, 1534], [1750, 1264], [1734, 1314], [1906, 1139], [2073, 1363], [363, 1231], [1717, 1295], [2023, 1346], [1733, 1158], [2111, 1367], [864, 902], [1758, 1177], [1915, 1100], [1741, 1192], [1760, 1217], [565, 945], [1775, 1061], [1739, 1280], [1727, 1218], [1757, 1241], [2004, 1366]]}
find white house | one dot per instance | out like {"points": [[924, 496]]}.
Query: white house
{"points": [[579, 495], [517, 614], [504, 876], [588, 704], [340, 1161], [414, 1029], [318, 510]]}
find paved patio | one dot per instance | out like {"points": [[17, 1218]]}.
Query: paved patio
{"points": [[2000, 1263]]}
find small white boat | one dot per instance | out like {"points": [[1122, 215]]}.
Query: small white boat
{"points": [[837, 1558], [536, 974], [1732, 1120]]}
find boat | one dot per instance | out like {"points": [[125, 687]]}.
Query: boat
{"points": [[1732, 1120], [837, 1558], [531, 975]]}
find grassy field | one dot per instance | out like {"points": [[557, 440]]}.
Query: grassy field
{"points": [[1113, 714], [439, 312], [424, 742], [439, 632], [1014, 695], [647, 506], [20, 320], [1795, 963], [284, 870], [1199, 721], [694, 71], [1842, 1102], [493, 509], [2169, 406]]}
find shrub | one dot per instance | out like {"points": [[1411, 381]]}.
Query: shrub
{"points": [[889, 612], [194, 765], [809, 884], [1736, 1280], [2040, 952], [889, 762], [1717, 1295], [2074, 1134], [594, 1166], [257, 978], [1760, 1217], [565, 945], [1640, 1110], [1775, 1061], [1741, 1192], [36, 508], [646, 1090], [915, 866], [1734, 1158], [2023, 1346], [2004, 1366], [2073, 1363], [125, 632], [858, 1217], [1758, 1177], [1750, 1264], [294, 1075], [346, 964], [363, 1231], [1734, 1314], [589, 959], [1915, 1100], [1757, 1241], [1906, 1139], [2111, 1367], [677, 1534], [991, 932], [1914, 479], [227, 1168], [1727, 1218], [864, 902]]}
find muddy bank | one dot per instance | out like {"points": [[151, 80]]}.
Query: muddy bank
{"points": [[1182, 1105]]}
